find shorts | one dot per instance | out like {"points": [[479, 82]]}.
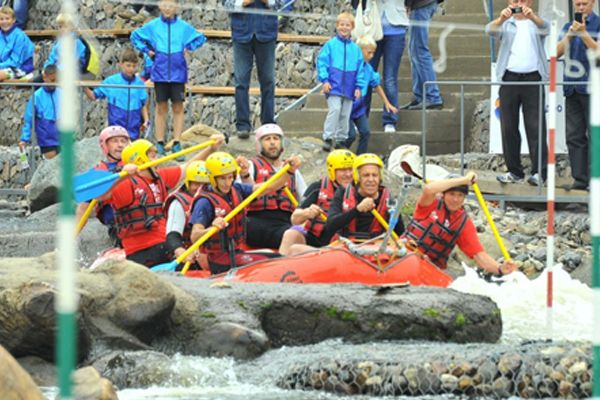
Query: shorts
{"points": [[15, 73], [166, 91], [265, 233], [157, 254], [48, 149]]}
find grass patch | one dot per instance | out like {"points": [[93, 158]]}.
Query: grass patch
{"points": [[242, 304], [348, 316], [208, 315], [460, 320], [431, 312]]}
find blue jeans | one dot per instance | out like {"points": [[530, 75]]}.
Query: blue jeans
{"points": [[421, 61], [244, 54], [391, 48], [21, 8], [362, 124]]}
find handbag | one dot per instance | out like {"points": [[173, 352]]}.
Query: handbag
{"points": [[368, 22]]}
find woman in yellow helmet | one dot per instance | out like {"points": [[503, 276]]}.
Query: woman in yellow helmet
{"points": [[308, 219], [350, 212]]}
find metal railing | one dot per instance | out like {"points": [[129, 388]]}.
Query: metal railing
{"points": [[539, 196]]}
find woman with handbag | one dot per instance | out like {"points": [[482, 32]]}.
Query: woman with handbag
{"points": [[385, 21]]}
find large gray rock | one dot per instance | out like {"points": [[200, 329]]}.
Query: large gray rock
{"points": [[45, 182], [15, 382]]}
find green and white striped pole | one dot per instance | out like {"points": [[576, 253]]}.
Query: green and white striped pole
{"points": [[66, 302], [594, 57]]}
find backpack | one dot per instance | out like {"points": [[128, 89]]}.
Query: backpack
{"points": [[92, 60]]}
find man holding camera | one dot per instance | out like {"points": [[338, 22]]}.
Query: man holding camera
{"points": [[521, 58], [576, 38]]}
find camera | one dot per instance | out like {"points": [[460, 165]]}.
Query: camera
{"points": [[517, 10], [579, 17]]}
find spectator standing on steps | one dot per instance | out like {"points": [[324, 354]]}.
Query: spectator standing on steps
{"points": [[167, 39], [521, 58], [254, 37], [420, 13], [576, 38], [394, 21]]}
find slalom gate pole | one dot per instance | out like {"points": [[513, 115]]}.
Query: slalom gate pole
{"points": [[550, 195], [66, 301], [594, 208]]}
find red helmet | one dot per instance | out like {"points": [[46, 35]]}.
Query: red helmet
{"points": [[109, 133]]}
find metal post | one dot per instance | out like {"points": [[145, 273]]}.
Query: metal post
{"points": [[595, 211], [66, 300], [551, 173], [424, 131], [462, 129], [492, 40]]}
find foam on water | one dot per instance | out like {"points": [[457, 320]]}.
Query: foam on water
{"points": [[523, 304]]}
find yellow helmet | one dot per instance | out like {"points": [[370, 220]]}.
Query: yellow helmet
{"points": [[136, 152], [220, 163], [196, 172], [366, 159], [339, 159]]}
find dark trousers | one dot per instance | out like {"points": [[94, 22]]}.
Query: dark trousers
{"points": [[577, 112], [512, 98], [157, 254], [244, 56], [362, 124]]}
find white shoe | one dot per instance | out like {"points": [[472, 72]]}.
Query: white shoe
{"points": [[389, 128]]}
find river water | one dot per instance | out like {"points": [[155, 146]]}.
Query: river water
{"points": [[523, 305]]}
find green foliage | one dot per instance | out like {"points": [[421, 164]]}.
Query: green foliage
{"points": [[208, 314], [431, 312], [266, 306], [331, 312], [348, 316], [460, 320], [344, 315], [242, 304]]}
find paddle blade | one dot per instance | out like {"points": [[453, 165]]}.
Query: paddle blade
{"points": [[165, 267], [92, 184]]}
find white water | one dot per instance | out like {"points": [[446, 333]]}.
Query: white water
{"points": [[523, 305], [521, 301]]}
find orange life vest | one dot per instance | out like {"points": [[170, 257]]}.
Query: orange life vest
{"points": [[375, 228], [233, 236], [278, 200], [144, 210], [324, 199], [185, 199], [436, 236]]}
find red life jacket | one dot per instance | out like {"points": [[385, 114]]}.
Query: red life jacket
{"points": [[324, 199], [106, 217], [185, 199], [436, 235], [375, 228], [222, 243], [145, 209], [263, 170]]}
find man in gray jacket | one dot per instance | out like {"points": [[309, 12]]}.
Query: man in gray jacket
{"points": [[522, 58]]}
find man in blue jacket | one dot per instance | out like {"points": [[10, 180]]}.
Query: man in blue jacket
{"points": [[43, 106], [166, 40], [254, 35]]}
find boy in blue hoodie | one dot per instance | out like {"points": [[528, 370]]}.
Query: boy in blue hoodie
{"points": [[45, 112], [340, 69], [166, 40], [65, 24], [360, 112], [16, 50], [127, 107]]}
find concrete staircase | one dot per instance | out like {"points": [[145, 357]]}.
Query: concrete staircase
{"points": [[468, 58]]}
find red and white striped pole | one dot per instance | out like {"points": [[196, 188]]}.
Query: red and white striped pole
{"points": [[550, 195]]}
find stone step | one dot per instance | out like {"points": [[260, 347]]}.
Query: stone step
{"points": [[383, 143], [451, 100], [439, 122], [461, 65], [464, 6], [459, 43], [405, 83]]}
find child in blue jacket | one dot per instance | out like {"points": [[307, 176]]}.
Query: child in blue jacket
{"points": [[166, 39], [16, 50], [360, 113], [340, 69], [65, 24], [127, 107], [42, 110]]}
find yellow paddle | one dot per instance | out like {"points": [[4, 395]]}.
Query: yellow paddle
{"points": [[172, 265], [85, 216], [383, 223], [295, 203], [490, 220]]}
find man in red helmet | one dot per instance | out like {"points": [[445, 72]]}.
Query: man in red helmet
{"points": [[113, 140], [440, 222], [269, 215]]}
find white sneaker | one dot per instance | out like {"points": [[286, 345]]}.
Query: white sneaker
{"points": [[389, 128]]}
